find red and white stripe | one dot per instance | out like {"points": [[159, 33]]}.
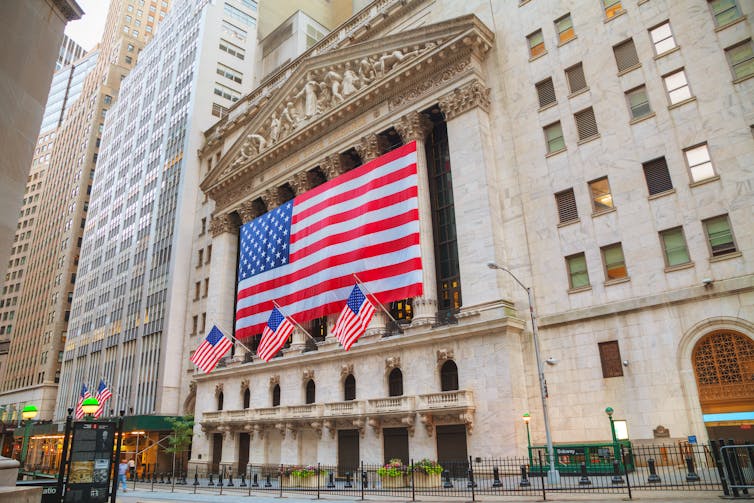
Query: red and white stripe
{"points": [[350, 326]]}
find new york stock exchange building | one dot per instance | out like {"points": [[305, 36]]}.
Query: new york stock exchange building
{"points": [[532, 171]]}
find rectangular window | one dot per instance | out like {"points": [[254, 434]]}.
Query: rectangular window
{"points": [[612, 365], [578, 277], [719, 236], [586, 124], [657, 176], [564, 27], [199, 258], [602, 199], [546, 92], [197, 290], [615, 264], [674, 247], [194, 325], [239, 15], [567, 210], [206, 287], [741, 59], [662, 38], [554, 138], [233, 31], [576, 78], [638, 102], [625, 55], [250, 4], [612, 8], [209, 254], [227, 92], [229, 73], [536, 44], [699, 163], [677, 86], [724, 11], [232, 49], [219, 110]]}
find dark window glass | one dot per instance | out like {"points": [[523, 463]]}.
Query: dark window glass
{"points": [[310, 391], [349, 388], [220, 398], [246, 398], [395, 383], [276, 396], [449, 376]]}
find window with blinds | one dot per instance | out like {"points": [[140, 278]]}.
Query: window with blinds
{"points": [[657, 176], [536, 44], [546, 93], [625, 55], [554, 138], [638, 102], [674, 247], [741, 59], [564, 27], [586, 124], [576, 79], [719, 235], [612, 365], [724, 11], [578, 276], [567, 210], [219, 110], [699, 162], [615, 263]]}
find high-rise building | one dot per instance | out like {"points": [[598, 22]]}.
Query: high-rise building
{"points": [[37, 336], [70, 51], [596, 154]]}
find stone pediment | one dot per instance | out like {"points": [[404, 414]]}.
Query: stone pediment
{"points": [[328, 89]]}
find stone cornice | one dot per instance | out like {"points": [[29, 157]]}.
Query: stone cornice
{"points": [[69, 9], [460, 100]]}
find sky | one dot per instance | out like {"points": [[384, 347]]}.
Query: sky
{"points": [[87, 31]]}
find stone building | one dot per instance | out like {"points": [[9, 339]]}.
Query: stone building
{"points": [[598, 150]]}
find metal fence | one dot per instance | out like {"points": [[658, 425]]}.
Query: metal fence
{"points": [[736, 467], [646, 468]]}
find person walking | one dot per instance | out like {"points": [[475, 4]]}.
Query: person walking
{"points": [[122, 469], [132, 469]]}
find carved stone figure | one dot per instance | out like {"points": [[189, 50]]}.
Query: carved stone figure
{"points": [[288, 119], [274, 129], [366, 70], [350, 82], [333, 81], [309, 93]]}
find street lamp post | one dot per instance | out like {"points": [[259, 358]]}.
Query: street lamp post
{"points": [[90, 406], [609, 411], [553, 476], [28, 414], [527, 418]]}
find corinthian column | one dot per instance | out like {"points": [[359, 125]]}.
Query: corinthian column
{"points": [[415, 127], [222, 283]]}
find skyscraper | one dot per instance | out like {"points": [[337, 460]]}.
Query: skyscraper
{"points": [[70, 51]]}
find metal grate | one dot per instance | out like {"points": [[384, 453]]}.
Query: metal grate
{"points": [[576, 79], [657, 175], [625, 55], [546, 92], [567, 210], [586, 124]]}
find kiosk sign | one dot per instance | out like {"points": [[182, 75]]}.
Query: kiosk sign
{"points": [[89, 473]]}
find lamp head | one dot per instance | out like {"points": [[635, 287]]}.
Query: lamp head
{"points": [[90, 405], [609, 412], [29, 412], [526, 417], [493, 265]]}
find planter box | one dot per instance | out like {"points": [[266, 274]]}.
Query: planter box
{"points": [[394, 482], [305, 482], [422, 479]]}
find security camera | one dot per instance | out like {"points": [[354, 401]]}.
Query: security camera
{"points": [[707, 281], [551, 361]]}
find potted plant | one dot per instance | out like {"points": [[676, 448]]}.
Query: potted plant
{"points": [[393, 474], [426, 473], [301, 476]]}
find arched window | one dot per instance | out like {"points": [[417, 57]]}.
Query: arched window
{"points": [[220, 398], [449, 376], [246, 398], [395, 383], [276, 396], [310, 391], [349, 388]]}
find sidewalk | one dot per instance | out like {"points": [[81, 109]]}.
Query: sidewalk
{"points": [[141, 496]]}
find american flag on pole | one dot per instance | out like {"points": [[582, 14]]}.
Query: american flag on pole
{"points": [[303, 254], [353, 319], [83, 396], [212, 348], [102, 396], [275, 334]]}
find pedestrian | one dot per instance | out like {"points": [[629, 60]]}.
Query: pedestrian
{"points": [[132, 469], [122, 469]]}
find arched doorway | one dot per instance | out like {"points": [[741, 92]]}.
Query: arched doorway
{"points": [[723, 364]]}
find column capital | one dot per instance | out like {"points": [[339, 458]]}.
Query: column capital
{"points": [[368, 148], [300, 182], [271, 198], [413, 126], [248, 211], [462, 99], [332, 166], [221, 224]]}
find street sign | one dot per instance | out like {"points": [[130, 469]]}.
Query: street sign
{"points": [[90, 470]]}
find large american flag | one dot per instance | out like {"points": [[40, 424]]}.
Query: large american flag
{"points": [[353, 319], [303, 254], [79, 404], [102, 396], [212, 348]]}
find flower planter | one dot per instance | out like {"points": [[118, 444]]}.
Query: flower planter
{"points": [[393, 482], [422, 479], [304, 482]]}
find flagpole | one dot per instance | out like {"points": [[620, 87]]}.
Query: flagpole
{"points": [[384, 310], [233, 338], [294, 321]]}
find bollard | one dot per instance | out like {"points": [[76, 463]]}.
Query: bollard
{"points": [[364, 480], [348, 481], [211, 482], [496, 477], [524, 478], [447, 484], [220, 477], [169, 475], [196, 476], [230, 478], [331, 481], [691, 476], [653, 477], [143, 470], [616, 479], [255, 481], [162, 477], [243, 480], [267, 482], [584, 480]]}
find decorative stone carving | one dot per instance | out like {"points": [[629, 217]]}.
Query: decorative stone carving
{"points": [[300, 182], [192, 388], [429, 424], [661, 432], [330, 425], [218, 389], [271, 198], [274, 380], [425, 86], [308, 374], [346, 369], [317, 427], [414, 126], [368, 148], [221, 224], [444, 355], [332, 166], [392, 362], [359, 425], [376, 425], [280, 427], [244, 385], [247, 211], [465, 98]]}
